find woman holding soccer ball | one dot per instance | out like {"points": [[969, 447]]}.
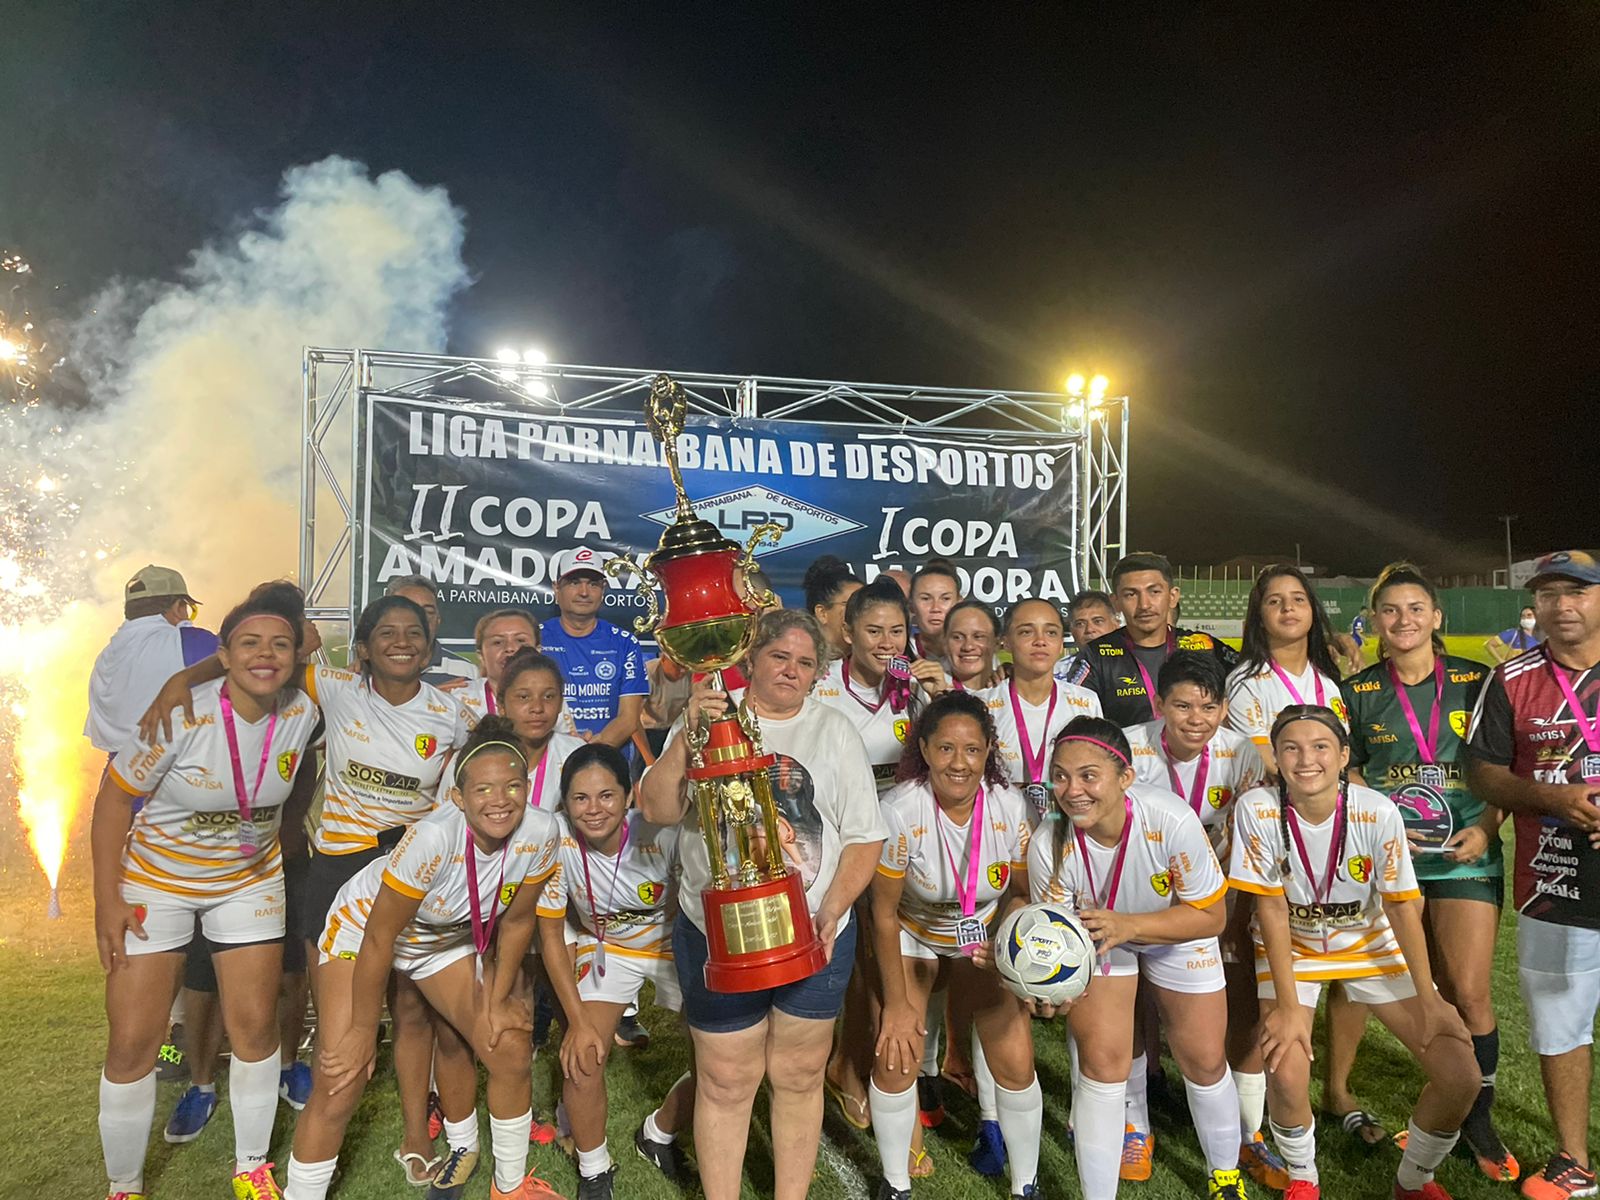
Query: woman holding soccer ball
{"points": [[955, 857], [1136, 863]]}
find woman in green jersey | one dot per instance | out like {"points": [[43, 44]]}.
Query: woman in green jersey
{"points": [[1408, 720]]}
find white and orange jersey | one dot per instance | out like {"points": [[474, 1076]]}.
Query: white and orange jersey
{"points": [[1233, 766], [630, 890], [477, 702], [429, 864], [883, 730], [384, 760], [1374, 865], [544, 777], [185, 839], [1041, 722], [1255, 698], [926, 849], [1169, 860]]}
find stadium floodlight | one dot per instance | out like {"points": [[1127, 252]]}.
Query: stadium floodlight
{"points": [[535, 357], [1097, 390], [1075, 384], [507, 355]]}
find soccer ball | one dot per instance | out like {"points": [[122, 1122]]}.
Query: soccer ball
{"points": [[1044, 953]]}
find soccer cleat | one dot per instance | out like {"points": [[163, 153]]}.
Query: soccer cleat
{"points": [[1138, 1154], [630, 1034], [885, 1192], [1561, 1179], [1226, 1185], [930, 1101], [531, 1188], [667, 1158], [256, 1185], [597, 1187], [1490, 1153], [435, 1116], [1032, 1192], [294, 1085], [1259, 1161], [988, 1155], [1428, 1191], [193, 1112], [541, 1134], [450, 1180], [1302, 1189]]}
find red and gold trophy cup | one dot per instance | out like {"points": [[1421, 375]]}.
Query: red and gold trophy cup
{"points": [[758, 925]]}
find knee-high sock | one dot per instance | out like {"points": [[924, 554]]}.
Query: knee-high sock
{"points": [[508, 1140], [987, 1108], [1424, 1152], [463, 1134], [1097, 1125], [1072, 1080], [127, 1110], [934, 1020], [1214, 1108], [308, 1181], [1021, 1117], [1299, 1149], [1486, 1049], [1138, 1101], [1252, 1089], [894, 1119], [253, 1096]]}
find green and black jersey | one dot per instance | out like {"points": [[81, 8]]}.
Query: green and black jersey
{"points": [[1115, 669], [1432, 798]]}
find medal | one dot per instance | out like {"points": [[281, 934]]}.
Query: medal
{"points": [[1588, 727], [601, 919], [966, 887], [1320, 895], [247, 829], [1108, 904], [1038, 795], [970, 934]]}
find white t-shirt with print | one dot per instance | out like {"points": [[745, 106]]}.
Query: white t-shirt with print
{"points": [[631, 890], [1255, 698], [1233, 767], [1071, 701]]}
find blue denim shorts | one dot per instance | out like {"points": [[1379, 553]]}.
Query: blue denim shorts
{"points": [[817, 997]]}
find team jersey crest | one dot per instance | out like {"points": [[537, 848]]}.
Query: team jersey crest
{"points": [[1458, 722], [1339, 710], [426, 745], [286, 762], [901, 728], [508, 893], [1360, 867], [1218, 796], [999, 873], [1161, 881], [650, 891]]}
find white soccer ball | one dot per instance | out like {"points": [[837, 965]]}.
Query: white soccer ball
{"points": [[1044, 953]]}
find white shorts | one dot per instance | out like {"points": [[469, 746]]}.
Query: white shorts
{"points": [[1370, 989], [242, 918], [341, 939], [1558, 967], [1187, 967], [625, 976], [913, 947]]}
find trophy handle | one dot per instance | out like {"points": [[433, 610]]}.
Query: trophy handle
{"points": [[623, 565], [747, 562]]}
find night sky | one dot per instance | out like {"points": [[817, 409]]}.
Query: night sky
{"points": [[1344, 260]]}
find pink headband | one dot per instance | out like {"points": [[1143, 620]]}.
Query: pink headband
{"points": [[1106, 746]]}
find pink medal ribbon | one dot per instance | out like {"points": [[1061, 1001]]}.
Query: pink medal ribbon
{"points": [[536, 792], [1588, 726], [1108, 903], [1320, 895], [611, 898], [966, 888], [1032, 764], [1144, 675], [1197, 794], [1283, 678], [483, 931], [883, 686], [247, 830], [1427, 747], [488, 698]]}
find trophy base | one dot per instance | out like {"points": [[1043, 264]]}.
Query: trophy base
{"points": [[760, 937]]}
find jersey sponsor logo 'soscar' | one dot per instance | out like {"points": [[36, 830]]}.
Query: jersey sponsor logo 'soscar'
{"points": [[286, 762], [426, 744], [650, 891], [998, 874]]}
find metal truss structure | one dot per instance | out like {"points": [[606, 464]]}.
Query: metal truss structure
{"points": [[338, 383]]}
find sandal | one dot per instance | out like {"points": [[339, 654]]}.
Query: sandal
{"points": [[426, 1165], [1357, 1123], [846, 1102], [921, 1164]]}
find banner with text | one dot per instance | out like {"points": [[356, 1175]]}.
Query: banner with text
{"points": [[481, 501]]}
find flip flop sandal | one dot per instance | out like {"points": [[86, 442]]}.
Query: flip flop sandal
{"points": [[921, 1165], [846, 1103], [1356, 1123], [424, 1164]]}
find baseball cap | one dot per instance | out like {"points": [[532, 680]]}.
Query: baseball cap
{"points": [[152, 580], [1578, 565], [580, 560]]}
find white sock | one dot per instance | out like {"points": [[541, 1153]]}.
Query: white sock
{"points": [[894, 1119], [1138, 1102], [655, 1133], [1021, 1124], [1299, 1149], [508, 1140], [1072, 1080], [462, 1135], [127, 1110], [1214, 1108], [1098, 1115], [933, 1022], [308, 1181], [253, 1096], [594, 1162], [1252, 1089], [1424, 1152], [988, 1110], [209, 1089]]}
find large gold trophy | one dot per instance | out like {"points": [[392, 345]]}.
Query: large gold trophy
{"points": [[758, 925]]}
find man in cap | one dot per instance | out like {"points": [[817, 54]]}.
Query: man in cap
{"points": [[603, 665], [1534, 750]]}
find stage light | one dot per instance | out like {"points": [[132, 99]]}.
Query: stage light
{"points": [[535, 357], [539, 388], [507, 355], [1097, 390], [1075, 384], [1075, 410]]}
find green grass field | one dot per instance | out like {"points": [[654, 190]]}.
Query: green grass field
{"points": [[51, 992]]}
